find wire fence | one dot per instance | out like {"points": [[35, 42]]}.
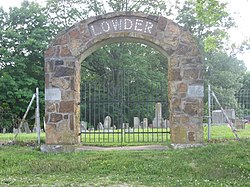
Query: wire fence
{"points": [[236, 108], [228, 118]]}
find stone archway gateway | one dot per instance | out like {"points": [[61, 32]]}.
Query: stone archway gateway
{"points": [[71, 47]]}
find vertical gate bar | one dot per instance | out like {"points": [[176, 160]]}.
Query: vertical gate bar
{"points": [[103, 113], [146, 103], [149, 110], [113, 105], [119, 107], [134, 130], [154, 104], [108, 103], [99, 111], [209, 113], [162, 105], [94, 103], [124, 103], [122, 107], [89, 109], [85, 108], [129, 113]]}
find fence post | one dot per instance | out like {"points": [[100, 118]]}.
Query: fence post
{"points": [[209, 113], [24, 116], [38, 116], [224, 113]]}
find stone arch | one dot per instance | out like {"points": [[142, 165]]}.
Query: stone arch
{"points": [[70, 47]]}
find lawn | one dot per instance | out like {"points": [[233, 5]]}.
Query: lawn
{"points": [[220, 164], [217, 133]]}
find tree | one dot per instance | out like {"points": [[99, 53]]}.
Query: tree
{"points": [[25, 34], [209, 22], [64, 13], [225, 74]]}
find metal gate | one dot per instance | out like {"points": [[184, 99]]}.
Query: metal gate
{"points": [[124, 106]]}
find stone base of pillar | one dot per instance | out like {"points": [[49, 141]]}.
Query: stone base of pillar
{"points": [[182, 146], [187, 134], [57, 148]]}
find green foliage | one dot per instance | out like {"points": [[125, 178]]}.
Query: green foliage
{"points": [[208, 21], [246, 80], [224, 164], [225, 74], [63, 14], [25, 34]]}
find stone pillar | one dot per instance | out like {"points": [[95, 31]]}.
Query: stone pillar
{"points": [[186, 101], [62, 88]]}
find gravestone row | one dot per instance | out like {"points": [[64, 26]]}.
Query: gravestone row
{"points": [[158, 122]]}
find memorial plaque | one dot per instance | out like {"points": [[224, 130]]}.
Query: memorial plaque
{"points": [[195, 91], [52, 94]]}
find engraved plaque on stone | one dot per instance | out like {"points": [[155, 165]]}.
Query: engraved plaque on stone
{"points": [[52, 94], [195, 91]]}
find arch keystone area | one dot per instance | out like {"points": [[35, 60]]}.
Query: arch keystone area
{"points": [[70, 47]]}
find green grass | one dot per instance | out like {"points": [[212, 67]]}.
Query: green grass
{"points": [[224, 132], [217, 133], [221, 164]]}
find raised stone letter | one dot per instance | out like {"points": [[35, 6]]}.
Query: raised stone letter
{"points": [[148, 27], [138, 23], [128, 24], [93, 30], [107, 26], [117, 25]]}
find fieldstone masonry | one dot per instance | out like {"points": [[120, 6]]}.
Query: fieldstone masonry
{"points": [[72, 46]]}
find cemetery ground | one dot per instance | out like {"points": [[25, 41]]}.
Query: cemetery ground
{"points": [[216, 164], [225, 163]]}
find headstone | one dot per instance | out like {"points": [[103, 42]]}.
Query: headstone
{"points": [[107, 122], [114, 127], [145, 123], [100, 126], [83, 126], [16, 130], [125, 125], [157, 122], [136, 122], [165, 124], [239, 124], [129, 130], [4, 130], [219, 118], [26, 127], [34, 129]]}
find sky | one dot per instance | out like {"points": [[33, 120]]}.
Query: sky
{"points": [[238, 8]]}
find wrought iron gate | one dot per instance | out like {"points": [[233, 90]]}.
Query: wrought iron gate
{"points": [[124, 106]]}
